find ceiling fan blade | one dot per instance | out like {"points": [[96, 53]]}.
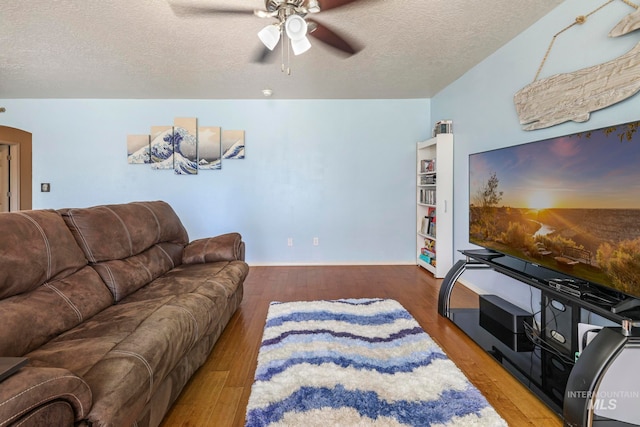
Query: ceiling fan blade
{"points": [[328, 36], [332, 4], [184, 10], [263, 55]]}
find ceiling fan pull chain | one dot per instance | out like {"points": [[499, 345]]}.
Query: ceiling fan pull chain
{"points": [[282, 37], [288, 56]]}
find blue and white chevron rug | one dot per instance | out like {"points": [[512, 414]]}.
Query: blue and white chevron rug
{"points": [[363, 362]]}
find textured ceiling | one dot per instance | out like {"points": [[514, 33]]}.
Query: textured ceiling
{"points": [[141, 49]]}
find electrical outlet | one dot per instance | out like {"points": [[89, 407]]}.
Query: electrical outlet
{"points": [[316, 241], [290, 241]]}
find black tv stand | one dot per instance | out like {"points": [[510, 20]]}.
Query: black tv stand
{"points": [[541, 365], [625, 305], [589, 296], [488, 253]]}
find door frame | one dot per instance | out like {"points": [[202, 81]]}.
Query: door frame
{"points": [[13, 136]]}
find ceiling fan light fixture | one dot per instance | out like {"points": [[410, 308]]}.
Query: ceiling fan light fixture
{"points": [[313, 6], [300, 46], [269, 36], [296, 27]]}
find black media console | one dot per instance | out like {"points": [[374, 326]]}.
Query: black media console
{"points": [[542, 358]]}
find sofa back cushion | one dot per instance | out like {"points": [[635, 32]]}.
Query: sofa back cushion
{"points": [[46, 287], [35, 246], [111, 232], [32, 319], [129, 244]]}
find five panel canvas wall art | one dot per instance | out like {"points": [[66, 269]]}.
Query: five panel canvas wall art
{"points": [[185, 147]]}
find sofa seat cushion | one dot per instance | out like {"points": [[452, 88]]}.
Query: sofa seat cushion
{"points": [[222, 279], [129, 348], [125, 276]]}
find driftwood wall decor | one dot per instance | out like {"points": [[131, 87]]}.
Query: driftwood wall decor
{"points": [[628, 24], [573, 96]]}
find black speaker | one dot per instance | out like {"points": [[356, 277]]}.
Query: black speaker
{"points": [[509, 316], [505, 321], [516, 342], [560, 324]]}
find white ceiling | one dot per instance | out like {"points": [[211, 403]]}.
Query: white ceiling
{"points": [[141, 49]]}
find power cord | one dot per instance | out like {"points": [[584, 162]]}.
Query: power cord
{"points": [[534, 336], [535, 333]]}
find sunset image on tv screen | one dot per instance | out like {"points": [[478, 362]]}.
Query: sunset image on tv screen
{"points": [[570, 203]]}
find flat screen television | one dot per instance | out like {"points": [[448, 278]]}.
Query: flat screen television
{"points": [[570, 204]]}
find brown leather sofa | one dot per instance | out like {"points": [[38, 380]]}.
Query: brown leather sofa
{"points": [[114, 309]]}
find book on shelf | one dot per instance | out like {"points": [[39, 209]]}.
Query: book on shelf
{"points": [[428, 259], [427, 179], [429, 248], [428, 226], [427, 165], [427, 196], [431, 223], [428, 253]]}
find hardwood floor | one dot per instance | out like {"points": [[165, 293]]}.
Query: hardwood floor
{"points": [[217, 394]]}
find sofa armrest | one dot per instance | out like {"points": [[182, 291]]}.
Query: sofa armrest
{"points": [[32, 390], [226, 247]]}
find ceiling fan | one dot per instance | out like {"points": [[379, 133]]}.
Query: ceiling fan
{"points": [[292, 24]]}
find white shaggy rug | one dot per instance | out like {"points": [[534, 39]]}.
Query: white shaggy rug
{"points": [[362, 362]]}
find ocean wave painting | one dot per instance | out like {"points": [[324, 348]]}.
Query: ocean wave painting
{"points": [[233, 144], [209, 148], [138, 149], [185, 146], [161, 147]]}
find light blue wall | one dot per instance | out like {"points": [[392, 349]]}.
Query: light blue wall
{"points": [[342, 171], [480, 103]]}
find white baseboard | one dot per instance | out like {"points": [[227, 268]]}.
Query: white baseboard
{"points": [[471, 286], [328, 264]]}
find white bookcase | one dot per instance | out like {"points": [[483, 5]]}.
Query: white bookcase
{"points": [[434, 207]]}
